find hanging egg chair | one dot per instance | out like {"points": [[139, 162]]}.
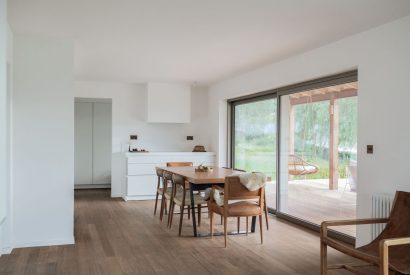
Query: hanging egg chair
{"points": [[298, 167]]}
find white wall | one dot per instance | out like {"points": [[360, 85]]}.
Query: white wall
{"points": [[3, 117], [6, 63], [382, 57], [128, 110], [43, 149]]}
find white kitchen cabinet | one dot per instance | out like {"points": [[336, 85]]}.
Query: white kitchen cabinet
{"points": [[141, 178]]}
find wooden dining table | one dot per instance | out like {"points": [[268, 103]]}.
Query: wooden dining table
{"points": [[200, 181]]}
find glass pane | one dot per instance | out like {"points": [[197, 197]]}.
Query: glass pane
{"points": [[255, 141], [318, 165]]}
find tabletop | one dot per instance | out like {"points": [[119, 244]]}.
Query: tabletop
{"points": [[216, 176]]}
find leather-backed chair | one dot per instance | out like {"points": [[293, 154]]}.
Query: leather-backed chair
{"points": [[245, 203], [390, 250]]}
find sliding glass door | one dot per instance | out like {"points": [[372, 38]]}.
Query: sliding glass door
{"points": [[254, 139], [318, 148], [304, 138]]}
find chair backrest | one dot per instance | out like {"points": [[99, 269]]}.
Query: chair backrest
{"points": [[175, 164], [167, 175], [160, 172], [234, 190], [178, 183], [399, 220]]}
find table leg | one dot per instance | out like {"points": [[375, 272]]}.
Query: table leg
{"points": [[253, 224], [191, 192]]}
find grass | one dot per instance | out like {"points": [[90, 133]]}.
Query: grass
{"points": [[264, 160]]}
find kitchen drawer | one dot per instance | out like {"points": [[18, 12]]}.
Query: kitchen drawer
{"points": [[142, 185], [142, 168]]}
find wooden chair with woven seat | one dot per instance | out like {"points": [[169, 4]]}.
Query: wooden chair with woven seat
{"points": [[245, 203], [390, 250], [181, 197], [160, 187], [168, 197], [166, 193]]}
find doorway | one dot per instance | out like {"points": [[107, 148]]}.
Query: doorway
{"points": [[93, 131]]}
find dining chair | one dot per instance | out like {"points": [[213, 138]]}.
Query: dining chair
{"points": [[389, 251], [160, 188], [181, 197], [176, 164], [265, 206], [166, 193], [238, 201], [169, 196]]}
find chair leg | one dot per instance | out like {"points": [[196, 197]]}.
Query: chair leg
{"points": [[171, 210], [165, 208], [161, 211], [211, 222], [189, 212], [260, 226], [222, 221], [225, 229], [199, 215], [171, 214], [156, 202], [180, 220], [247, 225], [266, 217], [266, 212], [323, 258], [238, 224]]}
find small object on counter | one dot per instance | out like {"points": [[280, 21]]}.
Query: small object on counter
{"points": [[136, 150], [203, 168], [132, 143], [199, 148]]}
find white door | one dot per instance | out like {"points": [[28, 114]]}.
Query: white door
{"points": [[83, 152], [102, 143]]}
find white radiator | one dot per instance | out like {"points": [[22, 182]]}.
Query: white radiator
{"points": [[381, 206]]}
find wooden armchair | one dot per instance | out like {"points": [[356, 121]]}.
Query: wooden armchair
{"points": [[390, 250], [248, 203]]}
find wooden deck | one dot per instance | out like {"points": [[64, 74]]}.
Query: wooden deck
{"points": [[117, 237], [312, 200]]}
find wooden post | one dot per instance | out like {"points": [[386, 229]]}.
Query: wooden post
{"points": [[334, 143], [291, 128]]}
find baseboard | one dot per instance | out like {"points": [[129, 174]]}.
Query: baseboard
{"points": [[44, 243], [139, 198], [116, 196], [92, 186]]}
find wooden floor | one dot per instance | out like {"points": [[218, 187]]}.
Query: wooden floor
{"points": [[311, 200], [117, 237]]}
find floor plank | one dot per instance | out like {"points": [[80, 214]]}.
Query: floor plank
{"points": [[117, 237]]}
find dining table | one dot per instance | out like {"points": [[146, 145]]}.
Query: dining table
{"points": [[201, 180]]}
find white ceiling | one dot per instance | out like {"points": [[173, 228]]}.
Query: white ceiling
{"points": [[194, 40]]}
